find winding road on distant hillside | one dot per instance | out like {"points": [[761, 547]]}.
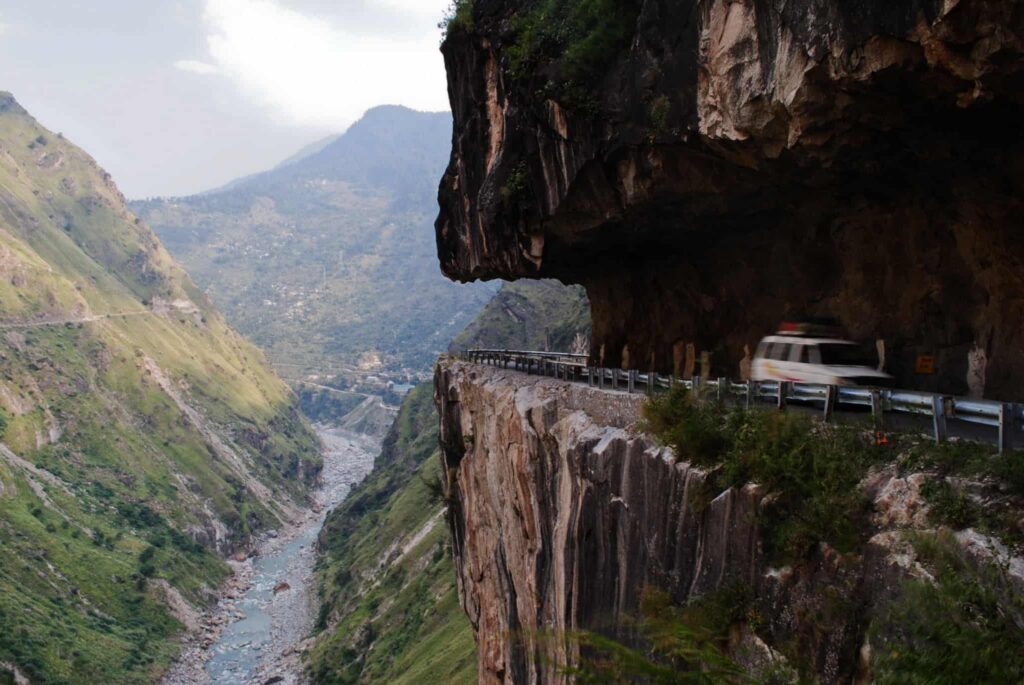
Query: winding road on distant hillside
{"points": [[80, 319]]}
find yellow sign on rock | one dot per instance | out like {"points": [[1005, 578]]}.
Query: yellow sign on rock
{"points": [[925, 364]]}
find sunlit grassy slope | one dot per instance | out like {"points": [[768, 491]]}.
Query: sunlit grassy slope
{"points": [[140, 435], [390, 611]]}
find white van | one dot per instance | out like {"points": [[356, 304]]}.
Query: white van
{"points": [[828, 361]]}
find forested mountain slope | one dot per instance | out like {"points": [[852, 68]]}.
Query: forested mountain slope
{"points": [[531, 315], [140, 435], [330, 260]]}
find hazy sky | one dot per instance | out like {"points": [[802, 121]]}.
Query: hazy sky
{"points": [[178, 96]]}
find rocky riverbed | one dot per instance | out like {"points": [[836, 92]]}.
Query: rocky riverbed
{"points": [[257, 631]]}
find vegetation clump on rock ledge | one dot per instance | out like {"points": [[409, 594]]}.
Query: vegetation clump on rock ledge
{"points": [[958, 617], [811, 470]]}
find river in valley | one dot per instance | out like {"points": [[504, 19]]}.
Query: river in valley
{"points": [[257, 631]]}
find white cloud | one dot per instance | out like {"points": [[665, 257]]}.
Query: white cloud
{"points": [[195, 66], [314, 73]]}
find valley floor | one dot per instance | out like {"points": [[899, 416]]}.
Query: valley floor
{"points": [[268, 607]]}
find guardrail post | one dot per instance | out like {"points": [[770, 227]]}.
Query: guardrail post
{"points": [[1005, 426], [723, 384], [600, 378], [877, 415], [694, 384], [751, 392], [780, 394], [939, 418], [831, 392], [652, 382]]}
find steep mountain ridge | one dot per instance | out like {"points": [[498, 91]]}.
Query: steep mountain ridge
{"points": [[328, 262], [141, 436]]}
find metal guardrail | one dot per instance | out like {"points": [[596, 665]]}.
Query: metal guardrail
{"points": [[943, 410]]}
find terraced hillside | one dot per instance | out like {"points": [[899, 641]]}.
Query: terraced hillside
{"points": [[140, 437]]}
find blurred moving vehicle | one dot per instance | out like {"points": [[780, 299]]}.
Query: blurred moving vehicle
{"points": [[803, 353]]}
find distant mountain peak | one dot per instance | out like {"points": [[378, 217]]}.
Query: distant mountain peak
{"points": [[390, 148], [9, 104]]}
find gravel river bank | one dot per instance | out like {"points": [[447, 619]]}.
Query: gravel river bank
{"points": [[257, 630]]}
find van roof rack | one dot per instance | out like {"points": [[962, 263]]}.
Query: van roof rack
{"points": [[817, 329]]}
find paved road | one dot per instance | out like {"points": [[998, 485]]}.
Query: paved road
{"points": [[901, 421]]}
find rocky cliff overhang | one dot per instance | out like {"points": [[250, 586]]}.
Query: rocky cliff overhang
{"points": [[738, 163]]}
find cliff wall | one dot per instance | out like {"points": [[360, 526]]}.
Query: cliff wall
{"points": [[562, 514], [715, 167]]}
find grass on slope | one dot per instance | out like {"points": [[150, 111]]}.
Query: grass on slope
{"points": [[77, 601], [390, 611], [153, 425]]}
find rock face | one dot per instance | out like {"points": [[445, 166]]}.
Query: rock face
{"points": [[741, 162], [562, 514]]}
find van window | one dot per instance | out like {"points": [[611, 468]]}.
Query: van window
{"points": [[762, 350], [846, 354], [815, 354], [779, 351], [798, 354]]}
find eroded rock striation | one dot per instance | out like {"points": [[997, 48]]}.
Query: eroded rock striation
{"points": [[562, 513], [729, 164]]}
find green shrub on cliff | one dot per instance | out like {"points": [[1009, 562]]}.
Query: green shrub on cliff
{"points": [[672, 645], [458, 18], [962, 625], [572, 41], [812, 469]]}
